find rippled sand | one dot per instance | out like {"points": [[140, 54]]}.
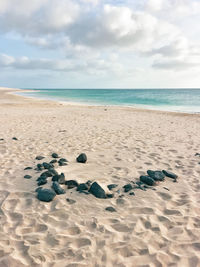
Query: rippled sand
{"points": [[152, 228]]}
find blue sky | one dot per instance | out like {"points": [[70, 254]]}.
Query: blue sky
{"points": [[100, 44]]}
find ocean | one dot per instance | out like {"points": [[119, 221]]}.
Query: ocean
{"points": [[179, 100]]}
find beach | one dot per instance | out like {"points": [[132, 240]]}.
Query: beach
{"points": [[159, 227]]}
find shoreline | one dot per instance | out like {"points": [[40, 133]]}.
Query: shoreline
{"points": [[19, 92]]}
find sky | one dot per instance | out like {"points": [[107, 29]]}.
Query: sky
{"points": [[100, 44]]}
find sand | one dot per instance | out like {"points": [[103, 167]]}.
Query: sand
{"points": [[152, 228]]}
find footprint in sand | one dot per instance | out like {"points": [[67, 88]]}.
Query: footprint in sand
{"points": [[164, 196]]}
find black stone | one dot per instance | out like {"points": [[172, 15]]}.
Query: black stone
{"points": [[57, 188], [60, 178], [156, 175], [109, 195], [46, 195], [15, 138], [39, 157], [28, 168], [82, 187], [27, 176], [53, 161], [132, 194], [63, 160], [53, 171], [46, 174], [42, 181], [70, 201], [62, 163], [71, 184], [97, 190], [127, 188], [82, 158], [47, 165], [111, 186], [55, 155], [147, 180], [111, 209], [40, 167], [170, 174]]}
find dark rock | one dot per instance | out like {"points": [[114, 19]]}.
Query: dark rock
{"points": [[127, 188], [53, 171], [46, 195], [28, 168], [55, 155], [71, 184], [82, 158], [109, 195], [57, 188], [53, 161], [42, 181], [62, 163], [132, 194], [38, 189], [170, 174], [156, 175], [47, 165], [27, 176], [14, 138], [63, 160], [60, 178], [97, 190], [112, 186], [40, 167], [147, 180], [111, 209], [70, 201], [39, 157], [82, 187], [46, 174]]}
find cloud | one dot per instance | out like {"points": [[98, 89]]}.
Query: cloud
{"points": [[91, 66], [36, 17], [176, 64]]}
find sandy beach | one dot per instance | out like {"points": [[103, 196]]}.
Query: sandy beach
{"points": [[158, 227]]}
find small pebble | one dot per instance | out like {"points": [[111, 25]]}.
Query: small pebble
{"points": [[15, 138], [111, 209], [27, 176], [132, 194], [55, 155], [39, 157], [28, 168]]}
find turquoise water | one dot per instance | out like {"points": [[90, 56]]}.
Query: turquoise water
{"points": [[183, 100]]}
